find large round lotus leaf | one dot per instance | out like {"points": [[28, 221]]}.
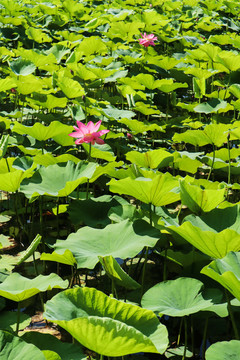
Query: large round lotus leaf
{"points": [[224, 350], [41, 132], [178, 297], [218, 219], [226, 271], [212, 134], [65, 350], [121, 240], [58, 179], [106, 325], [213, 244], [14, 348], [161, 190], [19, 288], [151, 159], [93, 212]]}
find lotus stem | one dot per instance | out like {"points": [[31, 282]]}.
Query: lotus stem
{"points": [[57, 216], [204, 339], [192, 336], [114, 291], [234, 325], [165, 265], [186, 334], [90, 150], [229, 159], [179, 333], [213, 160], [18, 316], [7, 164]]}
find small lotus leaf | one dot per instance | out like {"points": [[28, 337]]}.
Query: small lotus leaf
{"points": [[226, 271], [66, 258], [116, 273], [19, 288]]}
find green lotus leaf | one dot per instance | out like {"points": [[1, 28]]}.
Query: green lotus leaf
{"points": [[5, 241], [40, 132], [116, 273], [22, 67], [14, 348], [36, 56], [100, 152], [184, 163], [51, 355], [226, 271], [30, 250], [8, 262], [8, 320], [71, 88], [59, 51], [159, 191], [93, 212], [65, 350], [223, 350], [151, 159], [139, 127], [198, 199], [218, 219], [49, 159], [4, 218], [201, 73], [57, 180], [11, 181], [229, 60], [215, 134], [47, 101], [123, 212], [65, 258], [38, 35], [116, 114], [121, 240], [29, 84], [7, 83], [106, 325], [211, 106], [92, 45], [19, 288], [178, 297], [213, 244]]}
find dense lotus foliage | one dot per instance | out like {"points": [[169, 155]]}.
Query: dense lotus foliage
{"points": [[119, 179]]}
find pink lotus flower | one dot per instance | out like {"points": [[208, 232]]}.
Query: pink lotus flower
{"points": [[88, 133], [147, 40]]}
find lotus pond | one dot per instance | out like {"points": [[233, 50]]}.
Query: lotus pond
{"points": [[119, 179]]}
